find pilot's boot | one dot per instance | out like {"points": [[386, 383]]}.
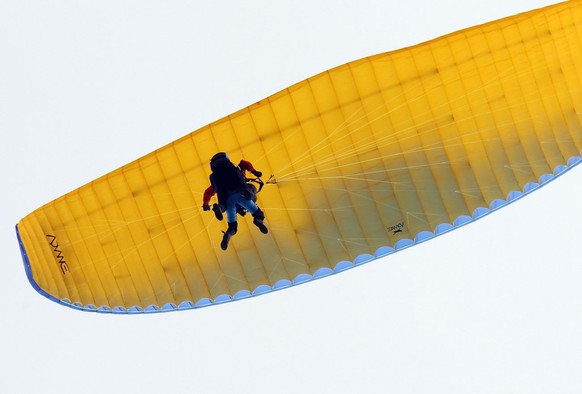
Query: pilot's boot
{"points": [[232, 228], [217, 211], [259, 216]]}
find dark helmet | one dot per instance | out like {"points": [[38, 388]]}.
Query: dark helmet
{"points": [[218, 156]]}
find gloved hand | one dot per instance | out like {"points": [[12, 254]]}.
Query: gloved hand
{"points": [[258, 174], [240, 210], [206, 207]]}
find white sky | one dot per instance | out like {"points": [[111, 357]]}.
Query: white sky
{"points": [[85, 87]]}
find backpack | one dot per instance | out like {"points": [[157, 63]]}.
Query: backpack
{"points": [[225, 177]]}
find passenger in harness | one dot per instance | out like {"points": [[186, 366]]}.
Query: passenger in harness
{"points": [[234, 194]]}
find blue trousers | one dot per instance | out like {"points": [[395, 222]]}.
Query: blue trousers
{"points": [[235, 198]]}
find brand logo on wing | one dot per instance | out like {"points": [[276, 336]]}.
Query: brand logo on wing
{"points": [[397, 228], [58, 253]]}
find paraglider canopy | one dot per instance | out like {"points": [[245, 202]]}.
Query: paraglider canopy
{"points": [[370, 157]]}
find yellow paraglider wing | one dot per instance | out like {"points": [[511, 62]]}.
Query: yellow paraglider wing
{"points": [[368, 158]]}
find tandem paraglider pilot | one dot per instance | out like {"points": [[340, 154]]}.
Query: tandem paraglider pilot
{"points": [[235, 194]]}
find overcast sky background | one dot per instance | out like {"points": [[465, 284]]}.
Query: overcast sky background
{"points": [[85, 87]]}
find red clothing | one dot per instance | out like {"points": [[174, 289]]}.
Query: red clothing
{"points": [[243, 166], [208, 194], [246, 166]]}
